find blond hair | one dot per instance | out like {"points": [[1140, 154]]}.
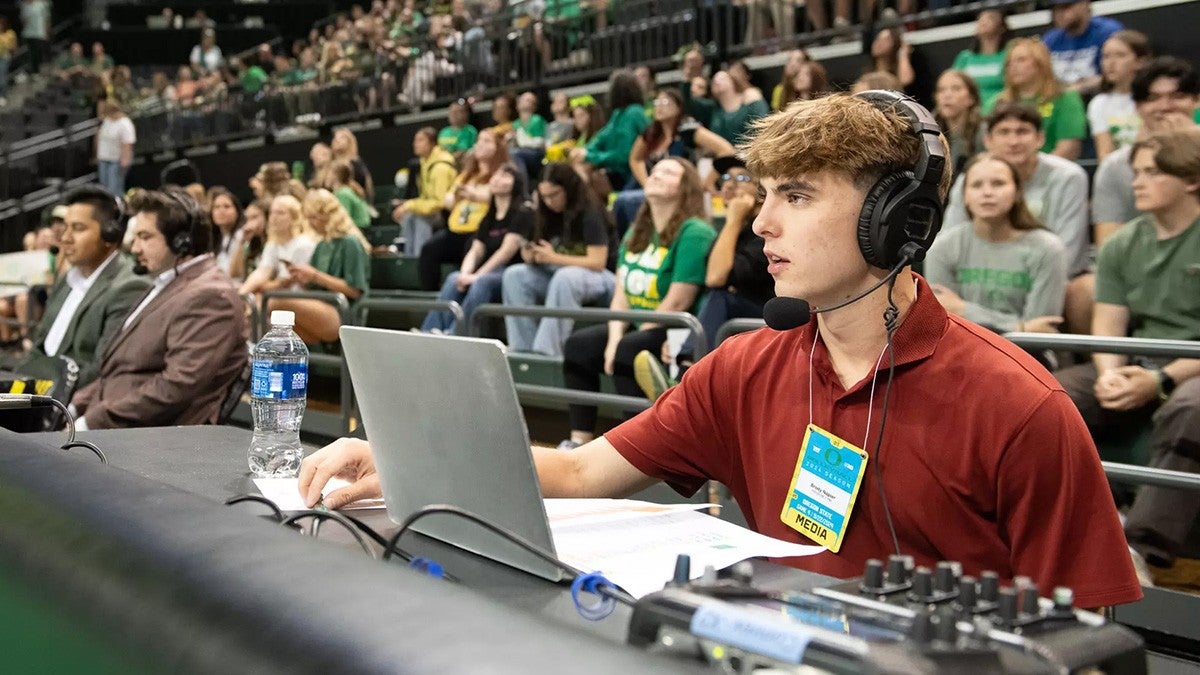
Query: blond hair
{"points": [[1048, 85], [300, 226], [321, 205], [839, 133]]}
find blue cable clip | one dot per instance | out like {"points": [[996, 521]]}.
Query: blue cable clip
{"points": [[430, 567], [596, 584]]}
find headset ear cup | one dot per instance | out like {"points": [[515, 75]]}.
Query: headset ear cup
{"points": [[872, 232], [181, 244]]}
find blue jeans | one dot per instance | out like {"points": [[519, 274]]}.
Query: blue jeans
{"points": [[416, 230], [562, 287], [625, 208], [112, 177], [719, 306], [484, 289]]}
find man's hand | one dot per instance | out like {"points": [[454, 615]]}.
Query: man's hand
{"points": [[738, 208], [346, 458], [399, 212], [1126, 388], [578, 155], [463, 282], [1042, 324], [949, 299]]}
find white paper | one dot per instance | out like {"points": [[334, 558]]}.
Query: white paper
{"points": [[285, 493], [634, 544]]}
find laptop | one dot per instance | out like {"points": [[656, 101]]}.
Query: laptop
{"points": [[442, 416]]}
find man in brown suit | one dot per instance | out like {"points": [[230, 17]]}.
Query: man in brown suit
{"points": [[184, 344]]}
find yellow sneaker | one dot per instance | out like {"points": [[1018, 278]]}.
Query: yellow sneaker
{"points": [[651, 375]]}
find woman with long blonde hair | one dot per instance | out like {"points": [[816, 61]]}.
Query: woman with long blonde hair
{"points": [[341, 263], [289, 242], [345, 148], [1029, 80]]}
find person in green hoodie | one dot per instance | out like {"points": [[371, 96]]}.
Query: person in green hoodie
{"points": [[438, 173], [609, 149]]}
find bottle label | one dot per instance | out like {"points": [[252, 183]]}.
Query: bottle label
{"points": [[280, 381]]}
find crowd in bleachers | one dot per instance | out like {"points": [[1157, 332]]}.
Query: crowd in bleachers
{"points": [[636, 200]]}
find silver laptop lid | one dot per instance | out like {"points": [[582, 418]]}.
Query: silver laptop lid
{"points": [[445, 427]]}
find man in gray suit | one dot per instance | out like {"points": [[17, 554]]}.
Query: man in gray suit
{"points": [[183, 346], [88, 304]]}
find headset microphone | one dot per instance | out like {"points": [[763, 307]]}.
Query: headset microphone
{"points": [[140, 269]]}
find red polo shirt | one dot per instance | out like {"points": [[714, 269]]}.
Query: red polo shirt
{"points": [[985, 460]]}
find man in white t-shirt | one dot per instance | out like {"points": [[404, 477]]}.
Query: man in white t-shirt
{"points": [[114, 147]]}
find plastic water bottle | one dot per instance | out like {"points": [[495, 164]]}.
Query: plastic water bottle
{"points": [[278, 388]]}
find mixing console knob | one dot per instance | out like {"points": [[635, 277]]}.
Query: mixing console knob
{"points": [[1029, 599], [947, 627], [989, 586], [1006, 605], [947, 573], [743, 573], [922, 584], [1064, 599], [966, 592], [897, 570], [922, 628], [683, 570], [873, 575]]}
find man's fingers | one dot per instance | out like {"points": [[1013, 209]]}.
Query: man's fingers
{"points": [[366, 488], [324, 471]]}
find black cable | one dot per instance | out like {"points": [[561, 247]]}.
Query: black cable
{"points": [[335, 517], [70, 423], [530, 547], [84, 444], [258, 499], [891, 316]]}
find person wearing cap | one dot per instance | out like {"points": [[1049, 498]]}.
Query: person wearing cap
{"points": [[1075, 43], [88, 304], [174, 358]]}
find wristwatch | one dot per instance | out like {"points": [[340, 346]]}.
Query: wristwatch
{"points": [[1166, 384]]}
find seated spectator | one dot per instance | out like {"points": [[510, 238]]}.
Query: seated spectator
{"points": [[88, 305], [1166, 93], [1029, 80], [186, 86], [743, 82], [289, 243], [648, 85], [503, 111], [604, 160], [467, 202], [1075, 43], [730, 114], [528, 142], [72, 63], [119, 87], [957, 108], [244, 259], [808, 82], [983, 61], [341, 263], [508, 223], [176, 355], [1146, 286], [345, 148], [795, 59], [274, 179], [671, 134], [418, 217], [320, 157], [1055, 189], [562, 127], [587, 119], [340, 181], [879, 79], [101, 62], [660, 268], [225, 213], [891, 54], [1003, 271], [1111, 113], [565, 264], [735, 278], [459, 136], [206, 56]]}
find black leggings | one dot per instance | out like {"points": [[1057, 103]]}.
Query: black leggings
{"points": [[443, 247], [583, 363]]}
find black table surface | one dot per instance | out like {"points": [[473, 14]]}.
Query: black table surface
{"points": [[211, 462]]}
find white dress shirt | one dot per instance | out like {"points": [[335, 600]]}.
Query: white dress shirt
{"points": [[79, 288], [161, 282]]}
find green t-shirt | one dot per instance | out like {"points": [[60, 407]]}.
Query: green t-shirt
{"points": [[610, 147], [254, 79], [532, 135], [458, 140], [733, 125], [299, 75], [1157, 281], [354, 205], [986, 69], [1062, 118], [645, 277], [344, 258]]}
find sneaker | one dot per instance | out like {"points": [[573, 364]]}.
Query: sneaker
{"points": [[651, 375], [569, 445], [1145, 578]]}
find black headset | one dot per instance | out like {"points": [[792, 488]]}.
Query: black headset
{"points": [[183, 243], [904, 207], [112, 230]]}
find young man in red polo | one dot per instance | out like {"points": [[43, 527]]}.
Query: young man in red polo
{"points": [[983, 458]]}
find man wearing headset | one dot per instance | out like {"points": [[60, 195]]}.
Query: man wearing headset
{"points": [[184, 344], [984, 459], [88, 304]]}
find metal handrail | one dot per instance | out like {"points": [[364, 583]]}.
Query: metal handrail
{"points": [[674, 319], [628, 403], [734, 326], [412, 305], [1144, 475], [1182, 349], [342, 305]]}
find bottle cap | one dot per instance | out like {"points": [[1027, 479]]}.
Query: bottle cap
{"points": [[282, 317]]}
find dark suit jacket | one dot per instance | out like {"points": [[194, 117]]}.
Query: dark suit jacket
{"points": [[104, 308], [175, 363]]}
